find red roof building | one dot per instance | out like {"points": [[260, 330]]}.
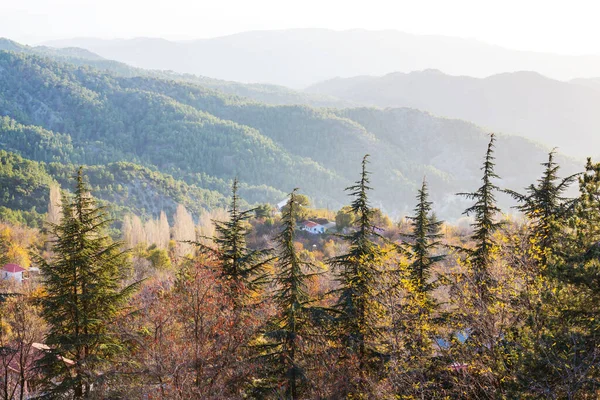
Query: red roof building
{"points": [[13, 268], [312, 227], [12, 272]]}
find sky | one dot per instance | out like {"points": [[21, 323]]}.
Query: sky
{"points": [[557, 26]]}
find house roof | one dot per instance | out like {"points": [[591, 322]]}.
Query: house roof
{"points": [[310, 224], [12, 268]]}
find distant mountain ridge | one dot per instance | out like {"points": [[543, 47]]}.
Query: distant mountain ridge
{"points": [[523, 103], [300, 57], [266, 93], [590, 82]]}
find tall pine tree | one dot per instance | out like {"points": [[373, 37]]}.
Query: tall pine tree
{"points": [[571, 325], [359, 271], [479, 291], [485, 213], [83, 296], [424, 240], [287, 337], [416, 321]]}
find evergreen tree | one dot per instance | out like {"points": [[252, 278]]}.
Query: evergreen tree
{"points": [[546, 208], [287, 341], [418, 292], [572, 327], [415, 322], [359, 271], [585, 222], [241, 267], [478, 292], [84, 295], [548, 212], [579, 258], [424, 236], [485, 225]]}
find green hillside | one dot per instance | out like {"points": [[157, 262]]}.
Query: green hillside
{"points": [[127, 187], [265, 93], [60, 112]]}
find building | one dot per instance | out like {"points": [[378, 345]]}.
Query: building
{"points": [[12, 271], [312, 227]]}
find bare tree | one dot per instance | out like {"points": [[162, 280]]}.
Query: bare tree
{"points": [[164, 231], [184, 230]]}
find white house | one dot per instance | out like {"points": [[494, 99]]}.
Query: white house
{"points": [[12, 271], [312, 227]]}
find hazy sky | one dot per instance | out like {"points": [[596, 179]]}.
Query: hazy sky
{"points": [[560, 26]]}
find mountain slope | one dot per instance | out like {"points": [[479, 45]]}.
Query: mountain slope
{"points": [[112, 123], [266, 93], [71, 114], [525, 103], [300, 57], [25, 184]]}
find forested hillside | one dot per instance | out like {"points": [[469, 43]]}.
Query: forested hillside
{"points": [[523, 103], [79, 115], [265, 93], [127, 187]]}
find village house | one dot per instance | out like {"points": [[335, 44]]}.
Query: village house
{"points": [[312, 227], [12, 271]]}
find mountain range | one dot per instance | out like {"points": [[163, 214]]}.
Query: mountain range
{"points": [[300, 57], [136, 130], [563, 114]]}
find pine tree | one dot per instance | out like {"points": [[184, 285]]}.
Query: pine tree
{"points": [[424, 240], [546, 208], [358, 273], [585, 221], [424, 236], [485, 212], [414, 318], [287, 342], [479, 291], [83, 296], [564, 359], [242, 267]]}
